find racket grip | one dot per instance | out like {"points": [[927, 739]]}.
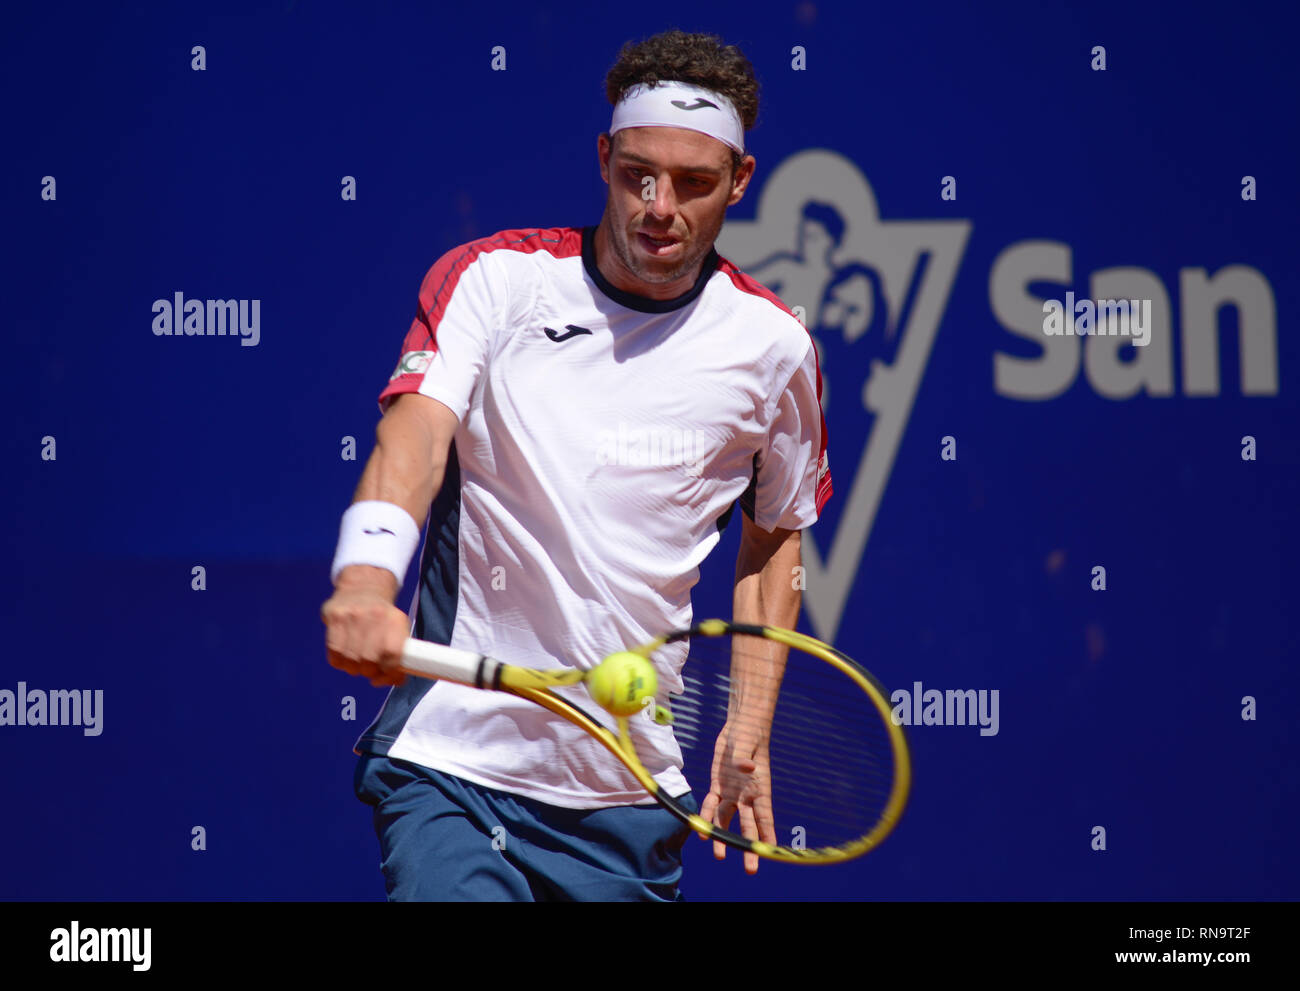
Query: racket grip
{"points": [[435, 660]]}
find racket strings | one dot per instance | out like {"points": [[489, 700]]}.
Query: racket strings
{"points": [[830, 753], [804, 745]]}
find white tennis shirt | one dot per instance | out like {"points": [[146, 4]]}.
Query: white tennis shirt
{"points": [[604, 439]]}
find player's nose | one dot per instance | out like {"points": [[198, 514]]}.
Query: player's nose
{"points": [[663, 204]]}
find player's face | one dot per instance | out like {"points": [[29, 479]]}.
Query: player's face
{"points": [[659, 231]]}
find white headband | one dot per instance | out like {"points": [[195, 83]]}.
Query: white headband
{"points": [[676, 104]]}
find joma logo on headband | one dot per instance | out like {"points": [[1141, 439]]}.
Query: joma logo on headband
{"points": [[700, 104]]}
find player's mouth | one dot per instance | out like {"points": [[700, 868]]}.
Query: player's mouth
{"points": [[659, 246]]}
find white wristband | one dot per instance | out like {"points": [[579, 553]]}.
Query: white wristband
{"points": [[376, 533]]}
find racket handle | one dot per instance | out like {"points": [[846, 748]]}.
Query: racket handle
{"points": [[434, 660]]}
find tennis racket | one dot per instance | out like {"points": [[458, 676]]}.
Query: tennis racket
{"points": [[838, 765]]}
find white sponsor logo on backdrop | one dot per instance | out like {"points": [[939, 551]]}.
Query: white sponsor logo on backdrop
{"points": [[878, 288]]}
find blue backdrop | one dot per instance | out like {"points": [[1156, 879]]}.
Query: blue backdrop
{"points": [[133, 458]]}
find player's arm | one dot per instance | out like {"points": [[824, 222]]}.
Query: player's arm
{"points": [[364, 630], [790, 485], [767, 594]]}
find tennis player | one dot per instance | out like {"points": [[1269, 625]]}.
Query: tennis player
{"points": [[576, 412]]}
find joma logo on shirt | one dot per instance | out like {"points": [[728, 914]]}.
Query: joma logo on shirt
{"points": [[570, 330]]}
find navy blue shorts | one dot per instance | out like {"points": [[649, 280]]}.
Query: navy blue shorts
{"points": [[446, 839]]}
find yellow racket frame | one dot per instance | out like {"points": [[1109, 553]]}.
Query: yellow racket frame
{"points": [[534, 685]]}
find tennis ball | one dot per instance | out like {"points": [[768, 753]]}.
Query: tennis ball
{"points": [[621, 682]]}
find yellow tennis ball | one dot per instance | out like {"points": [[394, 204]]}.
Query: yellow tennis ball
{"points": [[621, 683]]}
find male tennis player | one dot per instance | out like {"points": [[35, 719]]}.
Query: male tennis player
{"points": [[551, 541]]}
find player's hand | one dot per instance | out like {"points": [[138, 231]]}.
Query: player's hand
{"points": [[741, 785], [364, 631]]}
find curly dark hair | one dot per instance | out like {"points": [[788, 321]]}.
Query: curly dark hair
{"points": [[698, 59]]}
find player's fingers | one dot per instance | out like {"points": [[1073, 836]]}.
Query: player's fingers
{"points": [[748, 827], [707, 809], [381, 677], [749, 830], [369, 630], [337, 660], [338, 651], [392, 640], [342, 652], [346, 657], [366, 670], [375, 654], [366, 640], [392, 643], [382, 673], [726, 810], [765, 821]]}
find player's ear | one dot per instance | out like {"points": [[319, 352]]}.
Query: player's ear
{"points": [[740, 182]]}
